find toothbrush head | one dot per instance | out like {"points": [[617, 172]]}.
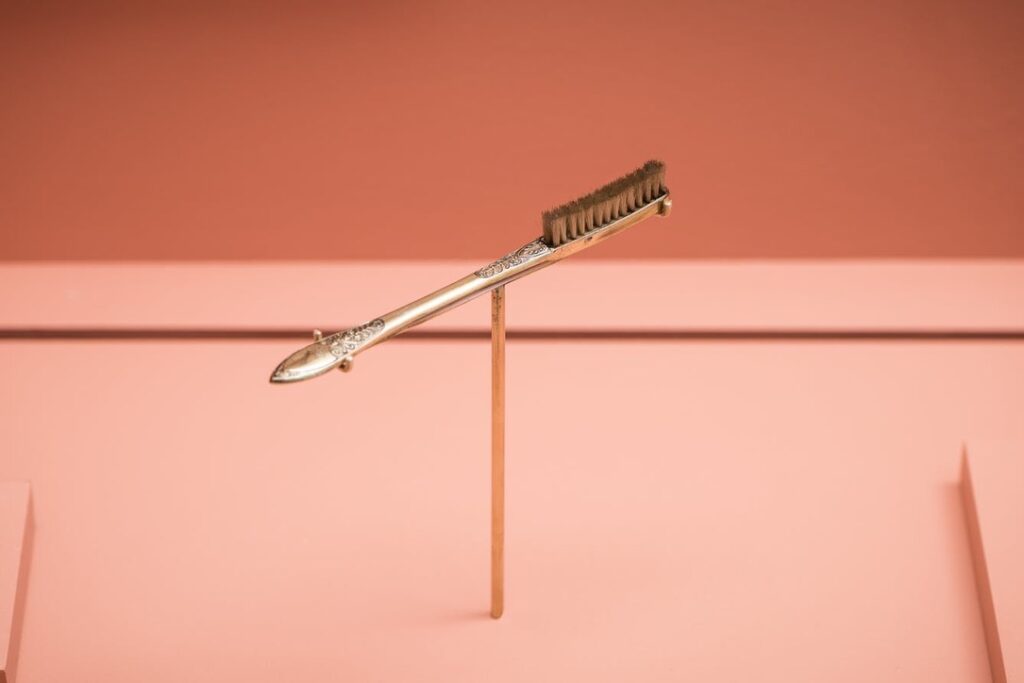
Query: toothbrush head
{"points": [[611, 202]]}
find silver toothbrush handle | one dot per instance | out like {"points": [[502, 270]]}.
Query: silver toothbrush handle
{"points": [[339, 349]]}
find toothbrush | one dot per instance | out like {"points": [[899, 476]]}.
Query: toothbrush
{"points": [[568, 229]]}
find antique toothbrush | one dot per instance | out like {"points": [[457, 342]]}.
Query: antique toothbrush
{"points": [[568, 229]]}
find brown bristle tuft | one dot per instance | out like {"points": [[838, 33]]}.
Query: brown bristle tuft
{"points": [[604, 205]]}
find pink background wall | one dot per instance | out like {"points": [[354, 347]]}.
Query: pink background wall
{"points": [[426, 130]]}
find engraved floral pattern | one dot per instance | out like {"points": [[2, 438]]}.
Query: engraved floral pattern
{"points": [[518, 257], [344, 343]]}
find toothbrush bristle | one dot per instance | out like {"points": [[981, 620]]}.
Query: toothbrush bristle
{"points": [[604, 205]]}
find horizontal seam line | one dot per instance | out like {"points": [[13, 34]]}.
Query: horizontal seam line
{"points": [[526, 334]]}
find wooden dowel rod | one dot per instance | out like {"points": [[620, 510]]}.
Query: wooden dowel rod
{"points": [[497, 452]]}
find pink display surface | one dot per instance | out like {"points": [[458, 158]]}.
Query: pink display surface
{"points": [[724, 295], [717, 511], [993, 483], [720, 511]]}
